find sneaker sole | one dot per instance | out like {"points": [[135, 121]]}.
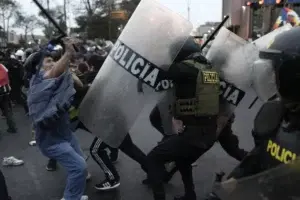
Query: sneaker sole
{"points": [[11, 165], [50, 170], [111, 188]]}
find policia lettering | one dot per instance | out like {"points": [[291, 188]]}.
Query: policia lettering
{"points": [[230, 93], [139, 67], [281, 154]]}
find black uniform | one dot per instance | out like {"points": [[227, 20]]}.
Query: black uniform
{"points": [[277, 125], [16, 73], [198, 136]]}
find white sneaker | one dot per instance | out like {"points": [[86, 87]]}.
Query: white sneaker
{"points": [[32, 143], [84, 197], [12, 161]]}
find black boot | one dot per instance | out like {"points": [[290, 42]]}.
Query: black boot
{"points": [[52, 165], [212, 196], [191, 196]]}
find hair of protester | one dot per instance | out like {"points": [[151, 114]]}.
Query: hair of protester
{"points": [[83, 67], [96, 61]]}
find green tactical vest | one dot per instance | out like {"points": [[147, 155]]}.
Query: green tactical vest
{"points": [[73, 113], [206, 99]]}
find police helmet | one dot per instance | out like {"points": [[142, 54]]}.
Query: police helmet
{"points": [[284, 52], [189, 47], [32, 62]]}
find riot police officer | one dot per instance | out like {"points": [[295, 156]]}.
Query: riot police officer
{"points": [[196, 109], [276, 127]]}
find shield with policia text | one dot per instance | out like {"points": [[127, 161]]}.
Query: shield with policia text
{"points": [[145, 49], [281, 183], [246, 80], [233, 57]]}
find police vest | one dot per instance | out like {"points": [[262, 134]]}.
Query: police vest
{"points": [[200, 96], [73, 113], [278, 146], [4, 81]]}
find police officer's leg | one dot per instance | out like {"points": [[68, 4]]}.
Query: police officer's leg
{"points": [[114, 153], [230, 143], [155, 120], [132, 151], [186, 171], [172, 149]]}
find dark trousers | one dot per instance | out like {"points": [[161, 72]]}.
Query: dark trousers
{"points": [[228, 141], [7, 111], [174, 149], [3, 188], [98, 152], [155, 120], [15, 93]]}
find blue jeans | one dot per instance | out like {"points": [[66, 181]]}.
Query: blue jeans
{"points": [[70, 156]]}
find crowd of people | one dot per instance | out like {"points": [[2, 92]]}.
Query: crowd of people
{"points": [[51, 83], [83, 68]]}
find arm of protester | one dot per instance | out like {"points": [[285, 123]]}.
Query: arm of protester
{"points": [[63, 63], [77, 81]]}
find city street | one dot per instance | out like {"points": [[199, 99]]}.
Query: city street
{"points": [[33, 182]]}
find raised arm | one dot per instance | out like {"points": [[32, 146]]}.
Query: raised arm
{"points": [[63, 63]]}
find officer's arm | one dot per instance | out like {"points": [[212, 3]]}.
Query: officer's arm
{"points": [[230, 142], [175, 72], [249, 166], [267, 121]]}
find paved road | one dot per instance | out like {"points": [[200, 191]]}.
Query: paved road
{"points": [[33, 182]]}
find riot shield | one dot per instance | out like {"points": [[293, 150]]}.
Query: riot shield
{"points": [[263, 73], [281, 183], [264, 41], [148, 45], [233, 57]]}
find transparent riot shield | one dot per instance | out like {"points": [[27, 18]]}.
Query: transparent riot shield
{"points": [[264, 41], [223, 45], [148, 45], [263, 73], [281, 183], [234, 57]]}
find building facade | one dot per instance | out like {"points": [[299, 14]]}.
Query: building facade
{"points": [[268, 11], [253, 18], [239, 17]]}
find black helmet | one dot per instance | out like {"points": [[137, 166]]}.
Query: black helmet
{"points": [[285, 54], [190, 47], [32, 62]]}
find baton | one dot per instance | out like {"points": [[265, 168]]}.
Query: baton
{"points": [[62, 33], [215, 32], [44, 11]]}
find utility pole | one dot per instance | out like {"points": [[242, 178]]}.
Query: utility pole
{"points": [[188, 8], [49, 23], [65, 15], [110, 5]]}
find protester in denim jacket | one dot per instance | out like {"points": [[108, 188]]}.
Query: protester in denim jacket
{"points": [[49, 98]]}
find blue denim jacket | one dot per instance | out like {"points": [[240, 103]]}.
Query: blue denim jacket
{"points": [[48, 103]]}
